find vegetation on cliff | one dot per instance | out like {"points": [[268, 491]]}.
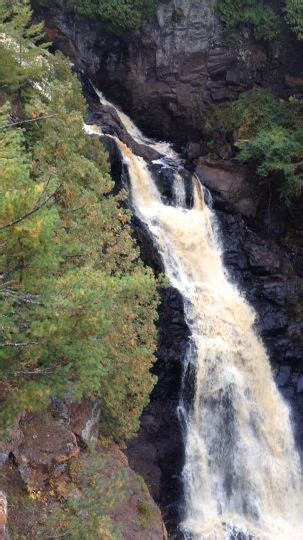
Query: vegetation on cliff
{"points": [[294, 16], [265, 22], [77, 306], [267, 135], [120, 14]]}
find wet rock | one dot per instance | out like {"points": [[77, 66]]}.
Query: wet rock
{"points": [[158, 452], [261, 259], [283, 375]]}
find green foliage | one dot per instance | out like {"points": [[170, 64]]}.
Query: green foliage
{"points": [[146, 513], [22, 52], [268, 133], [77, 307], [127, 14], [263, 21], [274, 151], [294, 16]]}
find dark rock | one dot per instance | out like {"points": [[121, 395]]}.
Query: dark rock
{"points": [[230, 181], [170, 73], [283, 375], [160, 438]]}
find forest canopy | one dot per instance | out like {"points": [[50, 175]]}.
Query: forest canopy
{"points": [[77, 306]]}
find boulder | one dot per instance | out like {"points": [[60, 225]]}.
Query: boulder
{"points": [[80, 418], [230, 181]]}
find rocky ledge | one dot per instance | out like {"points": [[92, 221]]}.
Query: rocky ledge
{"points": [[54, 471]]}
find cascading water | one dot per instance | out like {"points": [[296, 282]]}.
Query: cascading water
{"points": [[242, 475]]}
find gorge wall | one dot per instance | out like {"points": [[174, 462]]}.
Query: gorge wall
{"points": [[166, 77]]}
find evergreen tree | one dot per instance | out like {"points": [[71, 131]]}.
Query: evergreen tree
{"points": [[22, 50], [78, 305]]}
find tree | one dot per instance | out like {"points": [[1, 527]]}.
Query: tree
{"points": [[21, 45], [78, 305], [26, 235], [274, 152], [268, 133], [262, 20], [294, 16]]}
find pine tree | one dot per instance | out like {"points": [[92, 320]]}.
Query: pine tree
{"points": [[21, 46]]}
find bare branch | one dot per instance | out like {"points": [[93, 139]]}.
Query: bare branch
{"points": [[18, 345], [7, 126], [30, 213], [36, 372], [26, 299]]}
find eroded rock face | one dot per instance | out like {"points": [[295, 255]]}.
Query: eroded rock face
{"points": [[172, 71], [82, 418]]}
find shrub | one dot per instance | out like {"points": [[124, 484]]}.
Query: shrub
{"points": [[262, 20], [294, 16], [267, 132], [274, 151], [130, 14]]}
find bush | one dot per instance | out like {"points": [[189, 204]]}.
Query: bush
{"points": [[294, 16], [273, 151], [262, 20], [130, 14], [267, 133]]}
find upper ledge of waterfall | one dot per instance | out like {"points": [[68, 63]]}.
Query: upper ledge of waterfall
{"points": [[168, 74]]}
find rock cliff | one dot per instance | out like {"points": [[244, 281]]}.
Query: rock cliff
{"points": [[168, 74], [54, 475]]}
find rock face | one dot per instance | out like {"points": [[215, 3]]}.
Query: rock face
{"points": [[43, 449], [158, 453], [49, 463], [3, 515], [263, 264], [172, 71]]}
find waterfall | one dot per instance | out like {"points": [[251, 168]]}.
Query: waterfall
{"points": [[242, 475]]}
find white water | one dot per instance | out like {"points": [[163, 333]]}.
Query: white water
{"points": [[161, 147], [242, 470]]}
